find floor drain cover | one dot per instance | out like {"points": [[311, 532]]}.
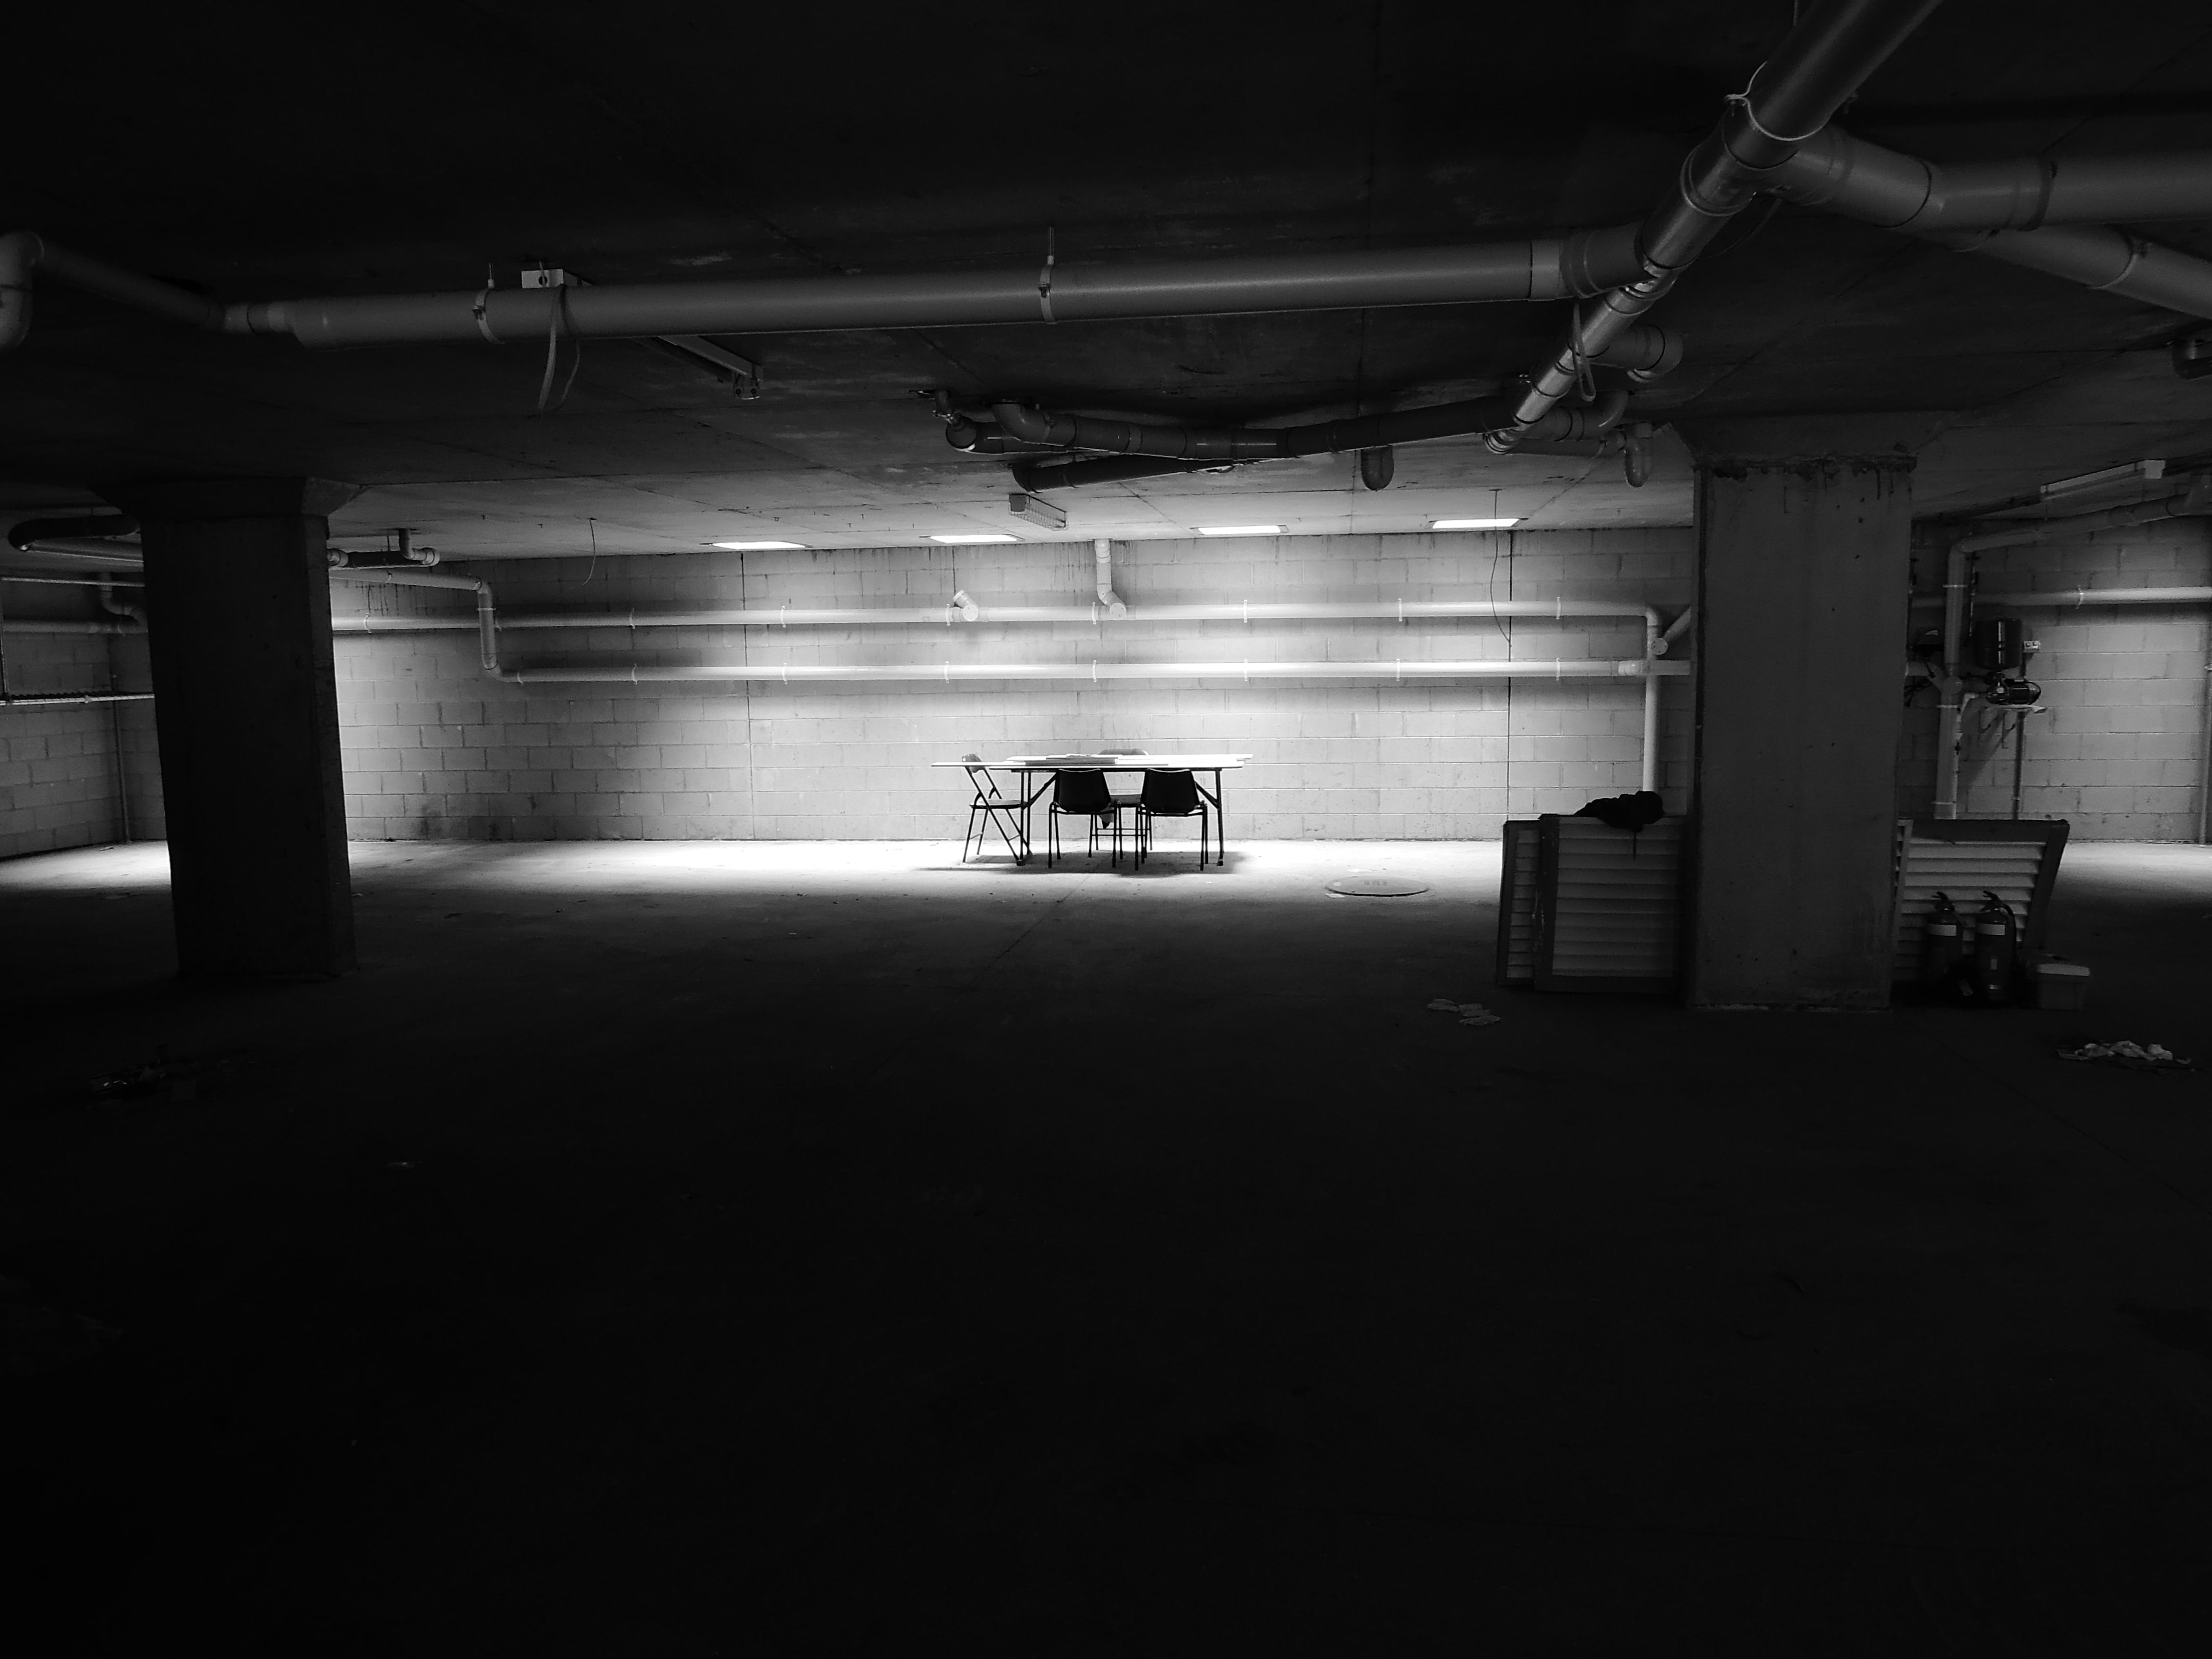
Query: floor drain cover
{"points": [[1377, 887]]}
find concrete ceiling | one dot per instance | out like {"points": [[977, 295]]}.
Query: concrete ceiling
{"points": [[289, 151]]}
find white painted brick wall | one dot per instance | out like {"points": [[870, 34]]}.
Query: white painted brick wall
{"points": [[59, 766], [2119, 749], [433, 750]]}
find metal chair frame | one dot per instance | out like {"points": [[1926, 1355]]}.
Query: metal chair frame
{"points": [[993, 808], [1055, 812], [1146, 812]]}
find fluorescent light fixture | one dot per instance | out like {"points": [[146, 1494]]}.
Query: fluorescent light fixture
{"points": [[1240, 530], [1472, 524], [964, 541], [761, 547], [2127, 472]]}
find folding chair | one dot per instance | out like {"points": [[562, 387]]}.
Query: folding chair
{"points": [[991, 808]]}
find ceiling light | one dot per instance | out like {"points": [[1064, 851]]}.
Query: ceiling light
{"points": [[761, 547], [2128, 472], [1240, 530], [964, 541], [1472, 524]]}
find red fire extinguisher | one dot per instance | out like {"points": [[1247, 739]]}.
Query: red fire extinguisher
{"points": [[1942, 943], [1993, 964]]}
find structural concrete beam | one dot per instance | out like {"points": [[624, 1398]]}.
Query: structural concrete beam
{"points": [[246, 706], [1804, 530]]}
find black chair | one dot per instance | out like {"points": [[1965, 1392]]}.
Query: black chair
{"points": [[991, 808], [1125, 788], [1171, 795], [1078, 795]]}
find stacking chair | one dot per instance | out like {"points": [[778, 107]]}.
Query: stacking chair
{"points": [[1081, 795], [1171, 795], [995, 809]]}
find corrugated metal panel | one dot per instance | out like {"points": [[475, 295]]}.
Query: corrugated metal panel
{"points": [[1615, 902], [1516, 904], [1963, 870]]}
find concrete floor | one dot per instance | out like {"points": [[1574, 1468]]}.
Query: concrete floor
{"points": [[734, 1248]]}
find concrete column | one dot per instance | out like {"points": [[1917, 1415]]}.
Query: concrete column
{"points": [[246, 703], [1804, 533]]}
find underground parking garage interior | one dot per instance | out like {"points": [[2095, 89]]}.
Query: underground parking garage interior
{"points": [[1369, 829]]}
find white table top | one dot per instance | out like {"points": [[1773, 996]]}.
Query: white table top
{"points": [[1110, 763]]}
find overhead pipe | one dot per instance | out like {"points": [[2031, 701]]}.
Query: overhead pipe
{"points": [[22, 252], [104, 556], [2097, 256], [104, 527], [1846, 175], [2030, 210], [1820, 63], [1547, 268], [2194, 503], [1024, 429]]}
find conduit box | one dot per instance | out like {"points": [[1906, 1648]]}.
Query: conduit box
{"points": [[550, 277], [1037, 512]]}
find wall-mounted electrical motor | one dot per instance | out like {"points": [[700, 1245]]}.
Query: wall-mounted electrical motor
{"points": [[2000, 645]]}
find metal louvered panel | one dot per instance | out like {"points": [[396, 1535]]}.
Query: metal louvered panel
{"points": [[1609, 906], [2016, 860], [1516, 904]]}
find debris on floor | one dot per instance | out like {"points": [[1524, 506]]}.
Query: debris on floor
{"points": [[1470, 1013], [36, 1339], [174, 1080], [2133, 1056]]}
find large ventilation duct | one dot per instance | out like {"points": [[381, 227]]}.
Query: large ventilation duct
{"points": [[2098, 256], [1820, 63], [2029, 211], [1848, 175], [1023, 428]]}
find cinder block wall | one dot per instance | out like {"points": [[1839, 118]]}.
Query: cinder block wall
{"points": [[2119, 749], [433, 750], [74, 775]]}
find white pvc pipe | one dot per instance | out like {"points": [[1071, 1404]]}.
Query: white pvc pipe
{"points": [[1581, 668], [2077, 596], [1102, 550], [946, 616], [487, 623]]}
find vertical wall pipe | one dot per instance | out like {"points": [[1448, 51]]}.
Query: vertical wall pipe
{"points": [[1947, 727], [1102, 550]]}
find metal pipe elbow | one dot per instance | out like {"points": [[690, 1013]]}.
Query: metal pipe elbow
{"points": [[19, 253], [1034, 425]]}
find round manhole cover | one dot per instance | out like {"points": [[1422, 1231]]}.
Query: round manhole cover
{"points": [[1377, 887]]}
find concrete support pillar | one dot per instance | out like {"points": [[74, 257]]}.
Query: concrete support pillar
{"points": [[246, 703], [1804, 535]]}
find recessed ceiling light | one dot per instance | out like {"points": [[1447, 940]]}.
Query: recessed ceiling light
{"points": [[760, 547], [1472, 524], [965, 540], [1240, 530]]}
